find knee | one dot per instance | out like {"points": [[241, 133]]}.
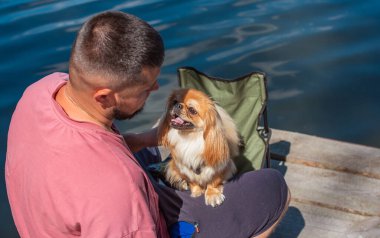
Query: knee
{"points": [[270, 230]]}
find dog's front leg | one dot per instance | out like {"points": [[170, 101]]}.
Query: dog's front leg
{"points": [[174, 177], [214, 192]]}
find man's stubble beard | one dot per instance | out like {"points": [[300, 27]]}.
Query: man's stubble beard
{"points": [[118, 115]]}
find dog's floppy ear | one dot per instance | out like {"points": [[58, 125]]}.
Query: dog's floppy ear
{"points": [[216, 149], [164, 125]]}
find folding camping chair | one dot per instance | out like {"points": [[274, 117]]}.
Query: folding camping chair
{"points": [[245, 99]]}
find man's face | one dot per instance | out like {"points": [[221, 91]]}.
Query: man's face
{"points": [[131, 100]]}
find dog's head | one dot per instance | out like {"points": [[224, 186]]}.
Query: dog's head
{"points": [[190, 110]]}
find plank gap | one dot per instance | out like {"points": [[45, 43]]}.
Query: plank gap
{"points": [[334, 207], [320, 165]]}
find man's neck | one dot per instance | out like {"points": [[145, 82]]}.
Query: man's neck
{"points": [[77, 110]]}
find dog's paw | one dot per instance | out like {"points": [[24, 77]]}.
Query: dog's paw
{"points": [[175, 180], [180, 185], [196, 190], [183, 185], [214, 196]]}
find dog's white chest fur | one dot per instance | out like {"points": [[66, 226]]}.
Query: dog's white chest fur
{"points": [[188, 148]]}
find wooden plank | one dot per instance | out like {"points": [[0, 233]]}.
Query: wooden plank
{"points": [[335, 186], [331, 189], [325, 153], [306, 220]]}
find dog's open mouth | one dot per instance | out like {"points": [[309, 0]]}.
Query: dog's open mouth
{"points": [[178, 123]]}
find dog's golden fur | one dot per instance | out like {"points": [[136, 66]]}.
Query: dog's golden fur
{"points": [[202, 139]]}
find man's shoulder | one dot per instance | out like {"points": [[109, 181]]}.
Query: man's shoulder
{"points": [[36, 96], [45, 86], [56, 76], [51, 80]]}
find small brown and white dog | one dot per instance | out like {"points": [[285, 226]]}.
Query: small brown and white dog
{"points": [[202, 139]]}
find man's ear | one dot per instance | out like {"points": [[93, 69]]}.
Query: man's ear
{"points": [[105, 97]]}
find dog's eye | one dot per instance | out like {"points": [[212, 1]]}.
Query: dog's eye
{"points": [[193, 111]]}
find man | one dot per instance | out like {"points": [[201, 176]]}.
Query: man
{"points": [[69, 172]]}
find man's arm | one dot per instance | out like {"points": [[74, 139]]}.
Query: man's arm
{"points": [[120, 207], [138, 141]]}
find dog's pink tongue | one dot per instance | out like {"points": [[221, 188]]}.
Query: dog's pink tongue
{"points": [[178, 120]]}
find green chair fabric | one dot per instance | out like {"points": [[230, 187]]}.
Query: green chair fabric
{"points": [[245, 100]]}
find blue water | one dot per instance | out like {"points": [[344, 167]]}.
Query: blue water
{"points": [[322, 58]]}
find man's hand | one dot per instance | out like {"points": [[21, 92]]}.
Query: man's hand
{"points": [[138, 141]]}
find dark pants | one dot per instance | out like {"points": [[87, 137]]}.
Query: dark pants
{"points": [[254, 202]]}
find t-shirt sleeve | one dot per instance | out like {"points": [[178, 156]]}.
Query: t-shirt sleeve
{"points": [[120, 210]]}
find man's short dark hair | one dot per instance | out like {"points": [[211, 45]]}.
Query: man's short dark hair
{"points": [[117, 45]]}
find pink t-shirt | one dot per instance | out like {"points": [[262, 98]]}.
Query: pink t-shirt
{"points": [[67, 178]]}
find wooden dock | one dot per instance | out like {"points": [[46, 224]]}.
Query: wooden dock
{"points": [[335, 187]]}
